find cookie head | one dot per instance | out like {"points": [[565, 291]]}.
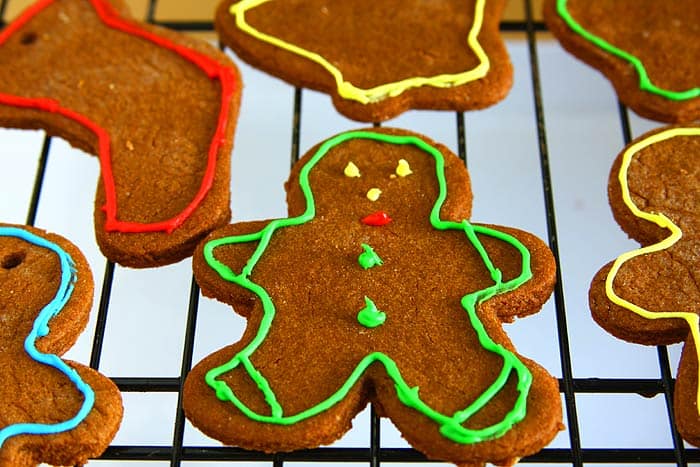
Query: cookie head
{"points": [[395, 298], [350, 183]]}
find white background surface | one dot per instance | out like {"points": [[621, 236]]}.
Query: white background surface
{"points": [[147, 312]]}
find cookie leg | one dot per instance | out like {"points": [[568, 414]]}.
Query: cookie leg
{"points": [[75, 446], [686, 395], [293, 410], [456, 442]]}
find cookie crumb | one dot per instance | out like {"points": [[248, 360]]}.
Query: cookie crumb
{"points": [[129, 145]]}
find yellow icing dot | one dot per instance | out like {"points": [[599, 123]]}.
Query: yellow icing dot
{"points": [[351, 170], [373, 194], [403, 169]]}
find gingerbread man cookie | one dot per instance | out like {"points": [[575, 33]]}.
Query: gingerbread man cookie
{"points": [[376, 58], [378, 289], [51, 410], [158, 108], [648, 49], [651, 295]]}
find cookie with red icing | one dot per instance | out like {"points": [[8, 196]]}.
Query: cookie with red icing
{"points": [[650, 295], [377, 288], [51, 410], [158, 108], [648, 50], [376, 58]]}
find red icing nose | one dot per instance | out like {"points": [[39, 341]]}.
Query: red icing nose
{"points": [[377, 219]]}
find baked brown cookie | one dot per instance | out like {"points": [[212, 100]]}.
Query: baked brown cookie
{"points": [[651, 295], [51, 410], [648, 50], [376, 289], [157, 107], [376, 58]]}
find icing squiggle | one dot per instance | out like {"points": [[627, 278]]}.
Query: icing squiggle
{"points": [[213, 69], [41, 329], [644, 82], [662, 221], [365, 96], [451, 426]]}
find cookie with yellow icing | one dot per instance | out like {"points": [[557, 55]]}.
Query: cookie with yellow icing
{"points": [[648, 49], [651, 295], [376, 58], [377, 288]]}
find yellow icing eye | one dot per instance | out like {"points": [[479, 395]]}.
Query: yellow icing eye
{"points": [[351, 170], [373, 194], [403, 169]]}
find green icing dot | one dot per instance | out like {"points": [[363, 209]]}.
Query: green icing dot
{"points": [[370, 316], [369, 258]]}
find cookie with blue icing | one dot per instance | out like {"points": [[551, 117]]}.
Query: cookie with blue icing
{"points": [[51, 410]]}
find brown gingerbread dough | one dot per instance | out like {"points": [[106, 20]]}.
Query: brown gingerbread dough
{"points": [[159, 110], [376, 42], [32, 392], [663, 36], [663, 179], [312, 275]]}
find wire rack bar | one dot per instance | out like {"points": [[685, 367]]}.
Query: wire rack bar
{"points": [[388, 455], [564, 349]]}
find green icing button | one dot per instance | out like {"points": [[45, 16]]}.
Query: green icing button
{"points": [[370, 316], [369, 258]]}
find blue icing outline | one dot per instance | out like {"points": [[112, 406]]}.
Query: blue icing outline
{"points": [[41, 329]]}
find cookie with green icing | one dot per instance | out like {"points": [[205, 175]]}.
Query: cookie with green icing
{"points": [[648, 49], [52, 410], [376, 288], [376, 58]]}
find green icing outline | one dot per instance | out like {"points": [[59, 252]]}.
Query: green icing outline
{"points": [[450, 425], [644, 82]]}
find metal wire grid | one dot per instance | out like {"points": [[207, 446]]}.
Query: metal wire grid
{"points": [[374, 454]]}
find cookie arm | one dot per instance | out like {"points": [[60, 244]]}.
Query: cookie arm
{"points": [[235, 257], [530, 296]]}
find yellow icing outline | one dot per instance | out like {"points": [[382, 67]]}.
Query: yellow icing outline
{"points": [[662, 221], [346, 89]]}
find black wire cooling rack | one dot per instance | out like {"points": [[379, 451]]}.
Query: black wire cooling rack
{"points": [[576, 453]]}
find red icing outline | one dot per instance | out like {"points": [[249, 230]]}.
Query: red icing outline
{"points": [[209, 66], [377, 219]]}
